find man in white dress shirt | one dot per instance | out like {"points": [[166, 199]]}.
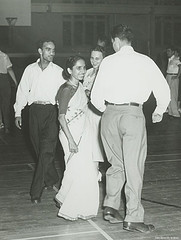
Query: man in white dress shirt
{"points": [[124, 82], [5, 90], [38, 88], [173, 74]]}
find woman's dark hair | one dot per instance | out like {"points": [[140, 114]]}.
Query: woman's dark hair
{"points": [[71, 61], [99, 49], [123, 32]]}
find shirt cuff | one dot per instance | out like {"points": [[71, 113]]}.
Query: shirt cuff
{"points": [[17, 112]]}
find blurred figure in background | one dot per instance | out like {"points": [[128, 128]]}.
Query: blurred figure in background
{"points": [[1, 120], [104, 42], [172, 76], [178, 53], [5, 90]]}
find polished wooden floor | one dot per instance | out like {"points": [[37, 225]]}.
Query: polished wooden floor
{"points": [[20, 219]]}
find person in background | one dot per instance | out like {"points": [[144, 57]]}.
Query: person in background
{"points": [[103, 42], [5, 90], [178, 52], [124, 82], [97, 55], [1, 120], [172, 76], [78, 196], [38, 88]]}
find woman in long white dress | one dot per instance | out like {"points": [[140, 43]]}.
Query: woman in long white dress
{"points": [[78, 196], [97, 55]]}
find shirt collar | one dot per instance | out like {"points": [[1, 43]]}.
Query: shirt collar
{"points": [[172, 57], [126, 49], [50, 64]]}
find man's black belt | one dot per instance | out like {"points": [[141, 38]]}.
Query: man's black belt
{"points": [[124, 104]]}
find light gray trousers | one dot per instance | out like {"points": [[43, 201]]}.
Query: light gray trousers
{"points": [[124, 138], [174, 86]]}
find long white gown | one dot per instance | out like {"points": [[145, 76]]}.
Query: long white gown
{"points": [[79, 192]]}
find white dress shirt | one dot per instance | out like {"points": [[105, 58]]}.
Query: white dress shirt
{"points": [[173, 65], [38, 85], [128, 76]]}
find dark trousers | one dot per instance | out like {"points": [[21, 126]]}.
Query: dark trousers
{"points": [[43, 126], [5, 99]]}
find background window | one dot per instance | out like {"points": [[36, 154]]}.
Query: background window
{"points": [[83, 30], [167, 31]]}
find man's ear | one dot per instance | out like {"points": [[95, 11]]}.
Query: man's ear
{"points": [[40, 51], [69, 71], [117, 40]]}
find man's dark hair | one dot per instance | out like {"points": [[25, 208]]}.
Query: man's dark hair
{"points": [[173, 48], [42, 41], [123, 32]]}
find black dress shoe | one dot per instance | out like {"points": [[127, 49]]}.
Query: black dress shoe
{"points": [[138, 227], [35, 200], [112, 215]]}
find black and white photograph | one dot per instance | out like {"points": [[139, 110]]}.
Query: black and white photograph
{"points": [[90, 119]]}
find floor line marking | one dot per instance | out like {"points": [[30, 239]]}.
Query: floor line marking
{"points": [[164, 154], [16, 164], [160, 161], [3, 141], [55, 189], [30, 166], [147, 161], [55, 235], [161, 203], [100, 230]]}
